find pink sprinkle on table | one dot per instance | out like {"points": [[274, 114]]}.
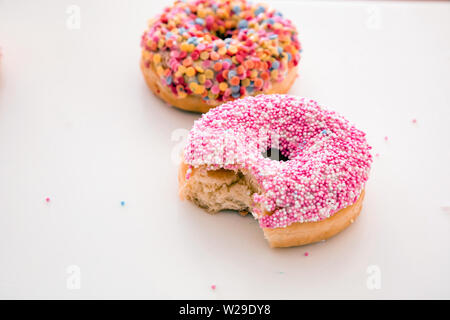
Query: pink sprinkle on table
{"points": [[306, 254], [47, 200], [213, 287]]}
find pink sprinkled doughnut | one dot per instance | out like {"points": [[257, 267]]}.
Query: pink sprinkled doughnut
{"points": [[315, 193], [198, 54]]}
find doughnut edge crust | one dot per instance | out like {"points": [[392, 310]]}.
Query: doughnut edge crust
{"points": [[298, 234]]}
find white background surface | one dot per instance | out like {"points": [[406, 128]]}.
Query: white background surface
{"points": [[78, 125]]}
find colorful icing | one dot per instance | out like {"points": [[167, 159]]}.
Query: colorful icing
{"points": [[241, 48], [329, 159]]}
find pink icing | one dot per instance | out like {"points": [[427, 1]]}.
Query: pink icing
{"points": [[329, 159]]}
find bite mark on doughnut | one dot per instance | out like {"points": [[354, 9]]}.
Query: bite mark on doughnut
{"points": [[218, 190]]}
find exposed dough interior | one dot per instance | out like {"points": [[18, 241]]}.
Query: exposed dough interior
{"points": [[217, 190]]}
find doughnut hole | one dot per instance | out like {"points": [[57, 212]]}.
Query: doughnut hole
{"points": [[225, 35], [275, 154]]}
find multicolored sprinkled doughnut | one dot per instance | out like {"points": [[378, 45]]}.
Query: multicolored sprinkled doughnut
{"points": [[217, 51], [328, 159]]}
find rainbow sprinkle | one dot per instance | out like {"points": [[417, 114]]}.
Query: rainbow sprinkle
{"points": [[220, 50]]}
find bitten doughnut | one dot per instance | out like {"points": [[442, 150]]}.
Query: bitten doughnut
{"points": [[316, 189], [198, 54]]}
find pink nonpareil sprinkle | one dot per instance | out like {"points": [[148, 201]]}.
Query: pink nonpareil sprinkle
{"points": [[213, 287], [377, 155], [306, 254], [414, 120], [47, 200], [386, 138], [188, 172]]}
